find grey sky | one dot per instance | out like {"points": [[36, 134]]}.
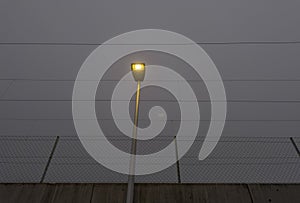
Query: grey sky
{"points": [[262, 82]]}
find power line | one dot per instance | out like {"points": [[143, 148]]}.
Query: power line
{"points": [[227, 139], [186, 156], [176, 44], [115, 80], [145, 164], [108, 119], [155, 142], [72, 136], [150, 100]]}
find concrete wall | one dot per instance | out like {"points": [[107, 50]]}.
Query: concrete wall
{"points": [[150, 193]]}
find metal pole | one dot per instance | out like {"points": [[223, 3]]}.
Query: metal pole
{"points": [[177, 159], [49, 160], [130, 187]]}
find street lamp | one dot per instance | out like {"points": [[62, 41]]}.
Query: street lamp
{"points": [[138, 72]]}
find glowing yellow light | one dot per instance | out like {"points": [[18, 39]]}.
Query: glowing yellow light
{"points": [[138, 67]]}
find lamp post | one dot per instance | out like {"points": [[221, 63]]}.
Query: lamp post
{"points": [[138, 72]]}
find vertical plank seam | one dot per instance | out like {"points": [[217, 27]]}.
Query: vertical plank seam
{"points": [[250, 193], [92, 193]]}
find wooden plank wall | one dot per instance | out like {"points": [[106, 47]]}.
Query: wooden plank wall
{"points": [[150, 193]]}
